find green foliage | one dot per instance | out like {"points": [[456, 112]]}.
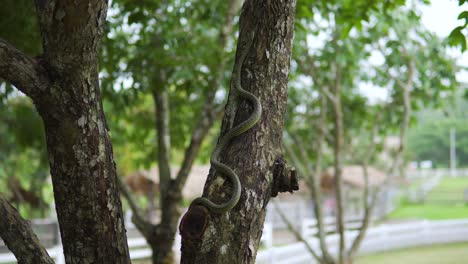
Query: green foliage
{"points": [[457, 36], [431, 139], [375, 48], [173, 47], [18, 25], [431, 142], [22, 148]]}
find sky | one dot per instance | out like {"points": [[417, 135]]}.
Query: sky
{"points": [[441, 17]]}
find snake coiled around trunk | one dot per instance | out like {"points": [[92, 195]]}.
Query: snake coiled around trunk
{"points": [[226, 139]]}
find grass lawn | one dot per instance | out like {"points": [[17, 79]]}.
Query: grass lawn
{"points": [[439, 254], [445, 201], [430, 211]]}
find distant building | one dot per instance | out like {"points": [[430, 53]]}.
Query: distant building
{"points": [[140, 181], [353, 187]]}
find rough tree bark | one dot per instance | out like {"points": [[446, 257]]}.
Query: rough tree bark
{"points": [[63, 84], [19, 236], [233, 237], [161, 236]]}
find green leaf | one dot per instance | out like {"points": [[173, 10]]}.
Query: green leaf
{"points": [[464, 15], [456, 38]]}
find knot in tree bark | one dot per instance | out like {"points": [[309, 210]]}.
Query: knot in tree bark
{"points": [[284, 177]]}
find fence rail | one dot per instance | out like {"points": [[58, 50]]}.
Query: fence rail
{"points": [[379, 238], [309, 226], [422, 173]]}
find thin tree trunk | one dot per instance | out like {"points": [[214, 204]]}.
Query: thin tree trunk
{"points": [[161, 99], [368, 206], [233, 237], [64, 86], [337, 149], [406, 98], [312, 176], [397, 161], [315, 183]]}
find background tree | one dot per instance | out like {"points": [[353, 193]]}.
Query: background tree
{"points": [[24, 165], [24, 168], [389, 52], [430, 138], [181, 81]]}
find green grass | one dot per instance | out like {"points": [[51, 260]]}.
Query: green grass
{"points": [[439, 254], [454, 184], [445, 201], [430, 211]]}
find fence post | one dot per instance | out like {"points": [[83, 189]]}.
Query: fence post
{"points": [[60, 257], [271, 254], [384, 236]]}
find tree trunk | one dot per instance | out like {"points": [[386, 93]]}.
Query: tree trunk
{"points": [[64, 86], [233, 237], [337, 150]]}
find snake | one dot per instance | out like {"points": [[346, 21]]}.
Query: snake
{"points": [[239, 129]]}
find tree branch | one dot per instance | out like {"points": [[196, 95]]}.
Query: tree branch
{"points": [[161, 99], [338, 136], [24, 72], [205, 121], [368, 206], [137, 215], [19, 236], [406, 118], [315, 181], [210, 112], [303, 170], [296, 233], [313, 178]]}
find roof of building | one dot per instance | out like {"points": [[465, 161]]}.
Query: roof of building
{"points": [[354, 175], [195, 181]]}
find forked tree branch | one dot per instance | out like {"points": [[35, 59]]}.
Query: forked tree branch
{"points": [[19, 236], [316, 178], [297, 234], [137, 215], [24, 72]]}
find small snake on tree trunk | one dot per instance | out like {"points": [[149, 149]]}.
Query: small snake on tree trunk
{"points": [[225, 140]]}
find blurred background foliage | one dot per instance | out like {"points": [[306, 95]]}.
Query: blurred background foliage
{"points": [[172, 45]]}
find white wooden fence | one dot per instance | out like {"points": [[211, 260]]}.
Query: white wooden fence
{"points": [[309, 226], [377, 239], [422, 173], [419, 194]]}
